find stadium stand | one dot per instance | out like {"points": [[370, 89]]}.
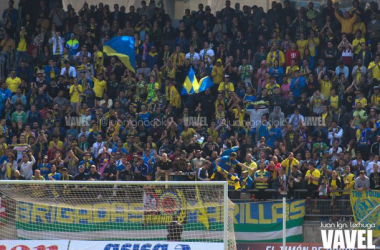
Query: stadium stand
{"points": [[294, 110]]}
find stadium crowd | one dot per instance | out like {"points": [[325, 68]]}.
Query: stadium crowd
{"points": [[295, 102]]}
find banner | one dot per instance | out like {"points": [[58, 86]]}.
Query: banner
{"points": [[110, 220], [34, 244], [147, 245], [148, 220], [364, 203], [255, 222]]}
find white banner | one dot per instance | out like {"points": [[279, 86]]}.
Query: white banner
{"points": [[34, 244], [142, 245]]}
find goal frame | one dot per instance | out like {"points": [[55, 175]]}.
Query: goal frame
{"points": [[143, 183]]}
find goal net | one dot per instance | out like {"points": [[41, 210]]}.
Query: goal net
{"points": [[133, 211]]}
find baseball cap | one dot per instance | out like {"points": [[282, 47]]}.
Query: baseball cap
{"points": [[362, 172]]}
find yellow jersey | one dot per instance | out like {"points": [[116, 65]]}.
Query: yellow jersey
{"points": [[59, 145], [251, 167], [362, 101], [333, 185], [13, 84], [226, 87], [239, 116], [302, 45], [375, 99], [334, 103], [271, 87], [175, 98], [348, 181], [22, 46], [357, 42], [313, 44], [290, 70], [75, 92], [326, 88], [99, 87], [314, 174], [275, 55], [375, 67]]}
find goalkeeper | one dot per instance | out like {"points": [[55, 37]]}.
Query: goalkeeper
{"points": [[222, 169]]}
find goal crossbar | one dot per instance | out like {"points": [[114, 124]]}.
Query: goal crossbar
{"points": [[134, 183]]}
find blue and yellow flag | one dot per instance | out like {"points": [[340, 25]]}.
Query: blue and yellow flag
{"points": [[192, 86], [124, 48]]}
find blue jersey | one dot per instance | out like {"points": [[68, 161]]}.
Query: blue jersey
{"points": [[45, 170], [229, 151], [248, 183], [378, 127], [56, 176], [146, 169], [223, 132], [276, 136], [121, 167], [225, 163], [264, 130], [144, 116]]}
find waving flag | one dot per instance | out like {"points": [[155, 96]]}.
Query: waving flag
{"points": [[192, 86], [124, 48]]}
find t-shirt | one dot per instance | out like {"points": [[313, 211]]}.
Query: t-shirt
{"points": [[186, 135], [261, 174], [271, 87], [326, 88], [301, 46], [22, 44], [13, 84], [19, 116], [225, 163], [334, 101], [59, 145], [313, 44], [314, 174], [226, 87], [357, 42], [74, 92], [375, 70], [56, 176], [152, 87], [252, 166], [99, 87], [362, 136], [362, 101]]}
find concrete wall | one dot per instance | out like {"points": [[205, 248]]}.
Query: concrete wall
{"points": [[312, 232]]}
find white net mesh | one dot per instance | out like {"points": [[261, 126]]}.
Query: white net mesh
{"points": [[109, 211]]}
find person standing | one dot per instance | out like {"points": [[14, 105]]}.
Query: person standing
{"points": [[362, 182], [175, 230]]}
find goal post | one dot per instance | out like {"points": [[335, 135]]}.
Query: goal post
{"points": [[167, 211]]}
